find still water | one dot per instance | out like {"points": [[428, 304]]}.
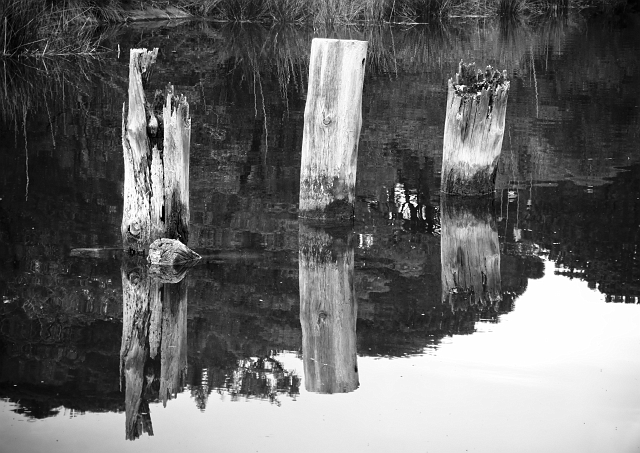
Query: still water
{"points": [[543, 354]]}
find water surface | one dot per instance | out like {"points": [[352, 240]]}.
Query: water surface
{"points": [[541, 356]]}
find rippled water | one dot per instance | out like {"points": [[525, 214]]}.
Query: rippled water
{"points": [[544, 358]]}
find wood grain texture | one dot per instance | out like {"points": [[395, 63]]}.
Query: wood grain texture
{"points": [[469, 253], [136, 221], [156, 183], [169, 252], [177, 142], [473, 133], [332, 122], [328, 312]]}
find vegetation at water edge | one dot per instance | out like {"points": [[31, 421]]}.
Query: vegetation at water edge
{"points": [[63, 27]]}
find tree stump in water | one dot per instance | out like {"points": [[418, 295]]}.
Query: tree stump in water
{"points": [[469, 253], [328, 311], [473, 130], [155, 140], [332, 121]]}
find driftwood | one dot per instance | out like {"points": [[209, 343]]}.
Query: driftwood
{"points": [[470, 253], [473, 130], [328, 311], [155, 141], [170, 252], [332, 121], [97, 252]]}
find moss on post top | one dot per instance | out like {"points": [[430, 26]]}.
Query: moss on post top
{"points": [[470, 82]]}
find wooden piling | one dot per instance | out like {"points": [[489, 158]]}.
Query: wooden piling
{"points": [[332, 121], [469, 253], [156, 138], [473, 130], [328, 311]]}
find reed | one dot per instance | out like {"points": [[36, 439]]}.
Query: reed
{"points": [[36, 26], [399, 11], [67, 27]]}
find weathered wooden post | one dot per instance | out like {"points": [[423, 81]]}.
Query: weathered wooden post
{"points": [[328, 311], [473, 130], [332, 121], [155, 139], [469, 253]]}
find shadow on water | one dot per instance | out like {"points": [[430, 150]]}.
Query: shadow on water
{"points": [[404, 278]]}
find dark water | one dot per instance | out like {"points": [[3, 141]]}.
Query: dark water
{"points": [[544, 358]]}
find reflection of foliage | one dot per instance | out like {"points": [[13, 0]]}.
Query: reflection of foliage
{"points": [[260, 378], [591, 234]]}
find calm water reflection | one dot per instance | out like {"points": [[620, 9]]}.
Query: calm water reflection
{"points": [[506, 325]]}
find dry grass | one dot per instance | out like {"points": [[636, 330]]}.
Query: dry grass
{"points": [[41, 27], [37, 28]]}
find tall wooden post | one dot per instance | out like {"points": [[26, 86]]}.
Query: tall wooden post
{"points": [[156, 138], [332, 121], [328, 311], [473, 130], [469, 253]]}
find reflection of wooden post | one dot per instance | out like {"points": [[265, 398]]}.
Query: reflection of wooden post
{"points": [[156, 144], [332, 120], [154, 333], [134, 351], [328, 312], [173, 352], [473, 130], [470, 253]]}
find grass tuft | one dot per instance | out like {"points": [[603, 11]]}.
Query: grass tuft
{"points": [[37, 28]]}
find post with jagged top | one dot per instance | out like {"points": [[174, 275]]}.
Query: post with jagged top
{"points": [[473, 130], [156, 137], [332, 121]]}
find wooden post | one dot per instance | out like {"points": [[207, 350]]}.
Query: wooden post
{"points": [[156, 138], [328, 311], [136, 218], [473, 130], [332, 121], [177, 142], [469, 253]]}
